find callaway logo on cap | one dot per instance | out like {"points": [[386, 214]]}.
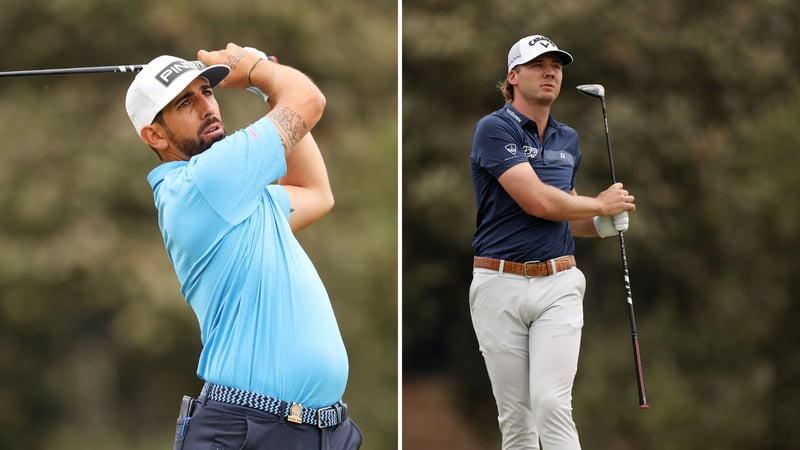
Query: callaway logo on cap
{"points": [[160, 81], [531, 47]]}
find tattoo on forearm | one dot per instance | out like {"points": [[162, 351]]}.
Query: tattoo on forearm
{"points": [[233, 60], [290, 124]]}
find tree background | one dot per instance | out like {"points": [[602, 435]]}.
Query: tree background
{"points": [[703, 104], [96, 343]]}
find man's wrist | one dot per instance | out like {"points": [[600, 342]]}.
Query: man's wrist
{"points": [[250, 72]]}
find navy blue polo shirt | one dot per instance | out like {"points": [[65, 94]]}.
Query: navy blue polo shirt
{"points": [[502, 140]]}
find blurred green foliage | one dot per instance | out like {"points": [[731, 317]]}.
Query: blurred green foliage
{"points": [[703, 105], [96, 343]]}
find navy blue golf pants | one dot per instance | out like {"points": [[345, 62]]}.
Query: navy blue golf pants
{"points": [[223, 426]]}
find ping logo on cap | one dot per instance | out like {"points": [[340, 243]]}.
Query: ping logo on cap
{"points": [[173, 70]]}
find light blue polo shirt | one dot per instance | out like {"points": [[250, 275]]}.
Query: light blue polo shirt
{"points": [[266, 322]]}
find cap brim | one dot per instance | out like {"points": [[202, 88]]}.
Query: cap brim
{"points": [[215, 74], [566, 58]]}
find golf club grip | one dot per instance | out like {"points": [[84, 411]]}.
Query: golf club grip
{"points": [[73, 70], [637, 359]]}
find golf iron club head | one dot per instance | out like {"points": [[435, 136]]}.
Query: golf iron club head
{"points": [[592, 90]]}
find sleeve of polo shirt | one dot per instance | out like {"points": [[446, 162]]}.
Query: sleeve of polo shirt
{"points": [[233, 173], [496, 146]]}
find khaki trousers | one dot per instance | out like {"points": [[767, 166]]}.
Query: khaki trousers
{"points": [[529, 332]]}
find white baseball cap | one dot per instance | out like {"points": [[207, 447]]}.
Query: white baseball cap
{"points": [[160, 81], [533, 46]]}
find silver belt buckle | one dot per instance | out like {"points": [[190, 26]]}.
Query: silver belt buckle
{"points": [[525, 267], [333, 408]]}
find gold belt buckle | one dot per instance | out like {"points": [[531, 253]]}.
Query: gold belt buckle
{"points": [[295, 412]]}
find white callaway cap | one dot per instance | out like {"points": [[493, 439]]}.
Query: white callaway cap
{"points": [[531, 47], [160, 81]]}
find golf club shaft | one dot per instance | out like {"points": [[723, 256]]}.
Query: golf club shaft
{"points": [[73, 70], [637, 360], [608, 141]]}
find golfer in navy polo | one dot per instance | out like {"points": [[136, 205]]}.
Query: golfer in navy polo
{"points": [[526, 296]]}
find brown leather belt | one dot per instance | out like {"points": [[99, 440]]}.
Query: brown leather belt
{"points": [[528, 269]]}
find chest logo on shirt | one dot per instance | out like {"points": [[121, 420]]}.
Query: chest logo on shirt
{"points": [[530, 152], [512, 148]]}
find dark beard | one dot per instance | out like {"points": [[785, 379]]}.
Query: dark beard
{"points": [[195, 146]]}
